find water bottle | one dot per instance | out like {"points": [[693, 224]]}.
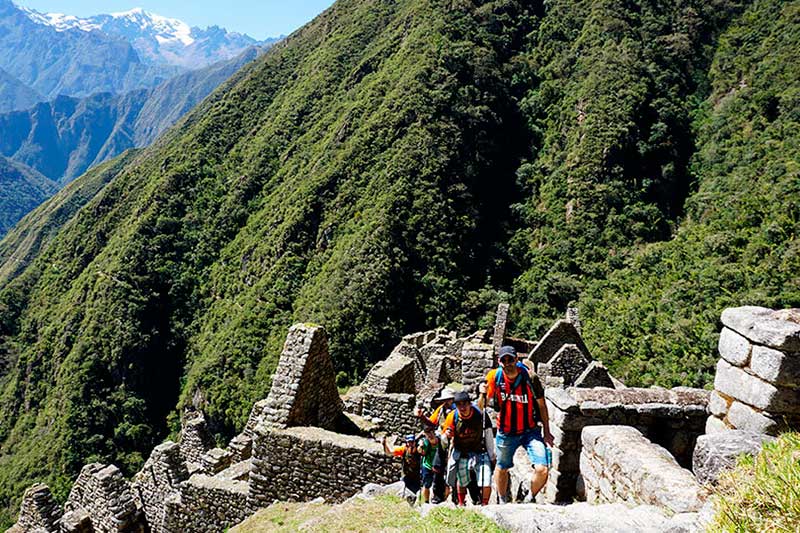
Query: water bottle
{"points": [[549, 454]]}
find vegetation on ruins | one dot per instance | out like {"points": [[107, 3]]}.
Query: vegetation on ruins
{"points": [[761, 494], [398, 165]]}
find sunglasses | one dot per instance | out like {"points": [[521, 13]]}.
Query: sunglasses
{"points": [[507, 359], [463, 403]]}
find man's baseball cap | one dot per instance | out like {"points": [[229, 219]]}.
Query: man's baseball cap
{"points": [[507, 350], [461, 396]]}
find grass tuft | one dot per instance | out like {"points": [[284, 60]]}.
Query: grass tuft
{"points": [[762, 494]]}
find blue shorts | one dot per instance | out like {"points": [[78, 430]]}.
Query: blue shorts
{"points": [[507, 446], [427, 477]]}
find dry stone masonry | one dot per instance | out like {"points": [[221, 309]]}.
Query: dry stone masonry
{"points": [[304, 386], [301, 464], [612, 443], [757, 385], [618, 463], [718, 452], [672, 419]]}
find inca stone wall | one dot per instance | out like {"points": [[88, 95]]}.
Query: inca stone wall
{"points": [[303, 463], [476, 361], [304, 385], [158, 481], [500, 325], [757, 385], [395, 374], [39, 511], [671, 418], [617, 463], [561, 333], [105, 495], [207, 505], [195, 439], [392, 412]]}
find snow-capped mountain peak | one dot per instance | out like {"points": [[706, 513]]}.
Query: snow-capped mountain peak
{"points": [[157, 39], [165, 30]]}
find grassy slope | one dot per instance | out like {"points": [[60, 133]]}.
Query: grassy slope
{"points": [[761, 494], [381, 514], [21, 190]]}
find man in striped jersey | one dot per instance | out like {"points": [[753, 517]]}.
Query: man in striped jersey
{"points": [[519, 399]]}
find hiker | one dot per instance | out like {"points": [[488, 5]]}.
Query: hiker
{"points": [[428, 446], [411, 462], [441, 491], [439, 415], [472, 449], [519, 398]]}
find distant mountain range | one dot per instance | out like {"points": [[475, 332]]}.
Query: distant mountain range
{"points": [[75, 92], [61, 139], [46, 55], [158, 40], [74, 62]]}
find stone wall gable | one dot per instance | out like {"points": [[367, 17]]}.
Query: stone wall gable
{"points": [[39, 511], [595, 375], [561, 333], [568, 363], [304, 389]]}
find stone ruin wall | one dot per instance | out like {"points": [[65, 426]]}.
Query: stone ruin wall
{"points": [[617, 463], [303, 463], [261, 465], [757, 385], [207, 504]]}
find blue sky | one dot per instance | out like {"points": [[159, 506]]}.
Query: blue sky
{"points": [[257, 18]]}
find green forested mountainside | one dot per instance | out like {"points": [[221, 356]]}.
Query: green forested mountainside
{"points": [[398, 165], [656, 319], [21, 189], [24, 241], [64, 137]]}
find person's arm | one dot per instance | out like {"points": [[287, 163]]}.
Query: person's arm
{"points": [[449, 425], [430, 421], [386, 449], [548, 437]]}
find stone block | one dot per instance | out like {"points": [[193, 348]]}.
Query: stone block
{"points": [[595, 375], [715, 425], [715, 453], [734, 348], [648, 472], [744, 417], [775, 329], [753, 391], [718, 404], [775, 366]]}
